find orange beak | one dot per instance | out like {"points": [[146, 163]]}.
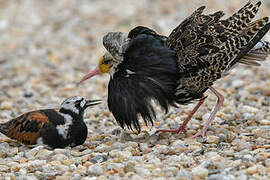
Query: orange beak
{"points": [[91, 74]]}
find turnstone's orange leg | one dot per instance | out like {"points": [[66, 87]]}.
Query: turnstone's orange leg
{"points": [[182, 128], [213, 114]]}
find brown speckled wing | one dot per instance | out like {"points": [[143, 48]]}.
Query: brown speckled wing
{"points": [[207, 46], [26, 128]]}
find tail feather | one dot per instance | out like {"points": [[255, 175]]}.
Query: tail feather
{"points": [[4, 127], [243, 17], [250, 43], [262, 47], [259, 52]]}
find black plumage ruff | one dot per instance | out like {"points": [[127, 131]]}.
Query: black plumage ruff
{"points": [[148, 71]]}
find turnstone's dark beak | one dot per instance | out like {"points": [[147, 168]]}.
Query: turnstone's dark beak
{"points": [[92, 103]]}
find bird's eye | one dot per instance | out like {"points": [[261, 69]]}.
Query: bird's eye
{"points": [[67, 102], [106, 61]]}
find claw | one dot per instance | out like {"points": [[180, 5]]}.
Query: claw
{"points": [[198, 134], [175, 131]]}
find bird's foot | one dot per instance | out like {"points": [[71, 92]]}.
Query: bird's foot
{"points": [[198, 134], [175, 131]]}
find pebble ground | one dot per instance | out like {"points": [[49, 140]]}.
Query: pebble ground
{"points": [[47, 46]]}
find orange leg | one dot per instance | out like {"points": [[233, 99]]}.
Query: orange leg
{"points": [[182, 128], [213, 114]]}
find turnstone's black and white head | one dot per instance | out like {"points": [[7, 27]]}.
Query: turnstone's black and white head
{"points": [[76, 105]]}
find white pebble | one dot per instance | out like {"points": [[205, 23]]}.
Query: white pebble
{"points": [[4, 168], [59, 157], [265, 122], [43, 154], [23, 171], [95, 169], [31, 154], [35, 163], [120, 154], [237, 83], [199, 171], [142, 170]]}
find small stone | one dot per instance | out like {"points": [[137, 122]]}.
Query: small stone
{"points": [[183, 174], [267, 163], [261, 169], [4, 149], [205, 116], [199, 171], [237, 83], [28, 94], [102, 148], [32, 153], [178, 144], [14, 166], [23, 171], [228, 153], [236, 163], [81, 169], [76, 153], [136, 177], [76, 177], [249, 109], [67, 162], [144, 148], [13, 152], [99, 159], [72, 167], [4, 168], [61, 168], [120, 154], [263, 133], [61, 151], [141, 170], [153, 139], [6, 105], [95, 169], [115, 166], [18, 156], [62, 177], [129, 167], [251, 170], [4, 145], [160, 149], [55, 163], [116, 132], [126, 136], [43, 154], [59, 157], [157, 172], [35, 163], [241, 144], [170, 171], [247, 158], [265, 122], [219, 177], [212, 139]]}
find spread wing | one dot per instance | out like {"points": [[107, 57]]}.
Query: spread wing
{"points": [[206, 45], [148, 72]]}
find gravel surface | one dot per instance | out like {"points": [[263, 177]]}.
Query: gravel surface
{"points": [[46, 47]]}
